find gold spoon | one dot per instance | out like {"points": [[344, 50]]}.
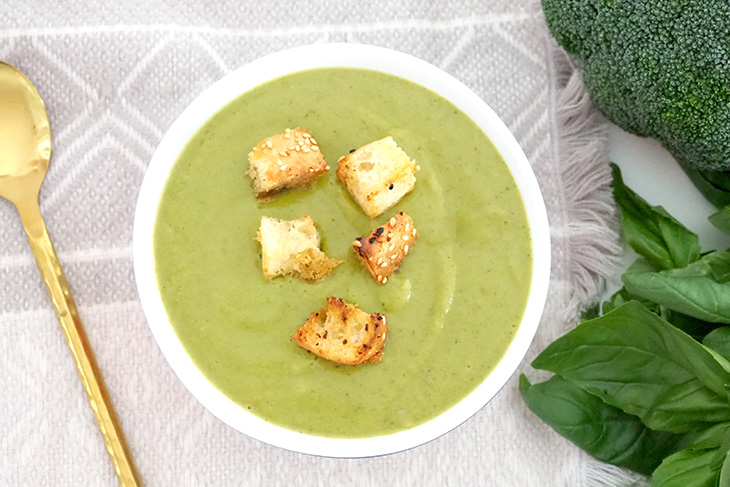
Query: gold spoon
{"points": [[25, 150]]}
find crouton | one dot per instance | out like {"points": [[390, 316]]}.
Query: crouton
{"points": [[286, 160], [385, 248], [291, 247], [377, 175], [343, 333]]}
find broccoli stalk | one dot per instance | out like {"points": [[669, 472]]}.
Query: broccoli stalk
{"points": [[656, 68]]}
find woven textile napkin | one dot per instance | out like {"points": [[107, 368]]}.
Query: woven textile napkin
{"points": [[114, 76]]}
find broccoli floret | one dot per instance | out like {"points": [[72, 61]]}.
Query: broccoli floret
{"points": [[656, 68]]}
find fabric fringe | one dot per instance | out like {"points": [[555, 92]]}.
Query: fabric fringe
{"points": [[599, 474], [592, 234]]}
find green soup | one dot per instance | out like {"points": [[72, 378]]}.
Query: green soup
{"points": [[452, 308]]}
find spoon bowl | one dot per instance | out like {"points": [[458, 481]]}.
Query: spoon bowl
{"points": [[25, 137], [25, 151]]}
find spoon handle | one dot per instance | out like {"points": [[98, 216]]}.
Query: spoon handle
{"points": [[81, 351]]}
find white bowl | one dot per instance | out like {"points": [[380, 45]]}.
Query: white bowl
{"points": [[274, 66]]}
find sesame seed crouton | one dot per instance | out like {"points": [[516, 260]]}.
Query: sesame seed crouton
{"points": [[343, 333], [286, 160], [377, 175], [384, 249], [291, 247]]}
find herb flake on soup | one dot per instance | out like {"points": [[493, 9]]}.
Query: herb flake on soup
{"points": [[453, 307]]}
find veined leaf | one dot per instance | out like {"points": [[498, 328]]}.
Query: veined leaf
{"points": [[721, 219], [651, 231], [700, 290], [719, 341], [638, 362], [700, 464], [603, 431]]}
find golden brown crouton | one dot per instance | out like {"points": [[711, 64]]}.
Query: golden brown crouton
{"points": [[292, 247], [377, 175], [286, 160], [385, 248], [343, 333]]}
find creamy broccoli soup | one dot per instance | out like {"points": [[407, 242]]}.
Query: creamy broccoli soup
{"points": [[452, 308]]}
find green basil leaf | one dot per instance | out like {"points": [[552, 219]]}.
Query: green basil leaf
{"points": [[692, 326], [636, 361], [651, 231], [714, 185], [601, 430], [724, 479], [622, 296], [686, 468], [719, 341], [721, 219], [701, 462], [700, 290]]}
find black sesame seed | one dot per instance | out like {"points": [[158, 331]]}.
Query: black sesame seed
{"points": [[372, 240], [391, 186], [379, 231], [352, 150]]}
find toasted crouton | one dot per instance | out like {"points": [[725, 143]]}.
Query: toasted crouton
{"points": [[291, 247], [286, 160], [343, 333], [385, 248], [377, 175]]}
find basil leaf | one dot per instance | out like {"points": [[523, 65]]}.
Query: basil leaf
{"points": [[603, 431], [714, 185], [719, 341], [651, 231], [638, 362], [700, 463], [701, 289], [686, 468], [692, 326], [724, 479], [721, 219], [622, 296]]}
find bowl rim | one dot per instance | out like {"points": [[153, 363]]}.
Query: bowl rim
{"points": [[289, 61]]}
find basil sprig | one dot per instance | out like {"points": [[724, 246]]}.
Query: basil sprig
{"points": [[644, 381]]}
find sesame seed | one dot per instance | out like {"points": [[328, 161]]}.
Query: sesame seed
{"points": [[380, 278], [380, 260], [392, 246], [405, 249], [282, 153], [314, 142], [384, 264], [306, 135], [408, 225], [357, 243], [385, 279], [306, 149], [405, 237], [392, 222], [278, 161], [283, 167], [269, 144], [393, 257], [414, 232]]}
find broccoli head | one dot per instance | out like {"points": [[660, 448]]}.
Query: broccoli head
{"points": [[656, 68]]}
